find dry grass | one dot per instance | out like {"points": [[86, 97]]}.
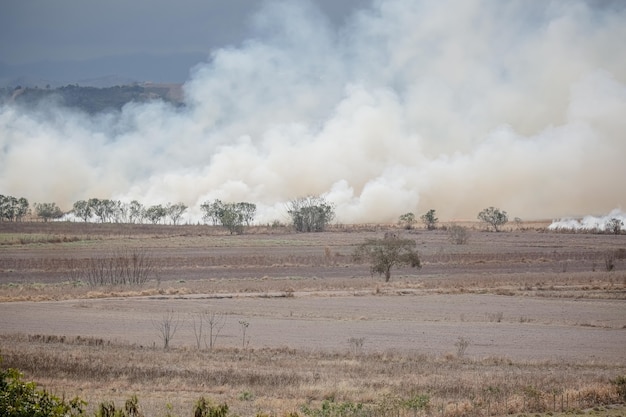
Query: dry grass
{"points": [[37, 260], [281, 380]]}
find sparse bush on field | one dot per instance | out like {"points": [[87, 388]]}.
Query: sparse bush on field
{"points": [[356, 343], [167, 327], [495, 317], [131, 409], [206, 408], [458, 235], [461, 345], [493, 217], [430, 219], [407, 220], [620, 386], [418, 402], [388, 252], [133, 267], [330, 408], [609, 261]]}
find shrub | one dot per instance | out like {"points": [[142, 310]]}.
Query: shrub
{"points": [[407, 220], [24, 399], [461, 346], [458, 235], [310, 214], [120, 268], [493, 217], [620, 385], [609, 261], [331, 409], [205, 408]]}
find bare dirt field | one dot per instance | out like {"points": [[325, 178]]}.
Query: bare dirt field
{"points": [[509, 322]]}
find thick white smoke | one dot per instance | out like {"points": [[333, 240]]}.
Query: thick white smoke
{"points": [[592, 223], [409, 106]]}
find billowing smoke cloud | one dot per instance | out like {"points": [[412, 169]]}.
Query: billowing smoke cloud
{"points": [[412, 105], [615, 219]]}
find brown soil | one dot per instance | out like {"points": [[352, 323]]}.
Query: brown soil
{"points": [[522, 295]]}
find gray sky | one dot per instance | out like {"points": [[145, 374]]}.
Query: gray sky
{"points": [[156, 40]]}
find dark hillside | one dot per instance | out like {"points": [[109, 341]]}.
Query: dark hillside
{"points": [[94, 100]]}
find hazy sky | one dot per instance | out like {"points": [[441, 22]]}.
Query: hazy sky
{"points": [[408, 105], [158, 40]]}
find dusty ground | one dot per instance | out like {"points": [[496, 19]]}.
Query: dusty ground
{"points": [[522, 293], [502, 326], [526, 296]]}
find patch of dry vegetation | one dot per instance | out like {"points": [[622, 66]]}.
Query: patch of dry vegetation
{"points": [[282, 380], [40, 260]]}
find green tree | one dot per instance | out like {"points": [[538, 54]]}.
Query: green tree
{"points": [[156, 213], [22, 209], [212, 211], [310, 214], [430, 219], [136, 212], [247, 211], [407, 220], [387, 253], [12, 208], [82, 210], [175, 211], [493, 217], [233, 216], [48, 211], [104, 209]]}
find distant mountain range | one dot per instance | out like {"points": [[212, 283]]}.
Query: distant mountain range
{"points": [[92, 99], [102, 72]]}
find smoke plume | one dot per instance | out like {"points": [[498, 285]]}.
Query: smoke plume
{"points": [[411, 105], [615, 219]]}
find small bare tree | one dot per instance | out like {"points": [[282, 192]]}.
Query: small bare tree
{"points": [[131, 267], [244, 327], [214, 321], [167, 327]]}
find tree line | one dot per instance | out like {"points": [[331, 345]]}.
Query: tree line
{"points": [[307, 214]]}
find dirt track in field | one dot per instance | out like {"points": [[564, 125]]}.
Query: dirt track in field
{"points": [[500, 326]]}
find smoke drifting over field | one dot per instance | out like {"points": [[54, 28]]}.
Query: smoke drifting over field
{"points": [[593, 223], [519, 105]]}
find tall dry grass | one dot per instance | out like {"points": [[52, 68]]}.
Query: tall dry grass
{"points": [[282, 380]]}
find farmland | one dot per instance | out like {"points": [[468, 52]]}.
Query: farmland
{"points": [[520, 321]]}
